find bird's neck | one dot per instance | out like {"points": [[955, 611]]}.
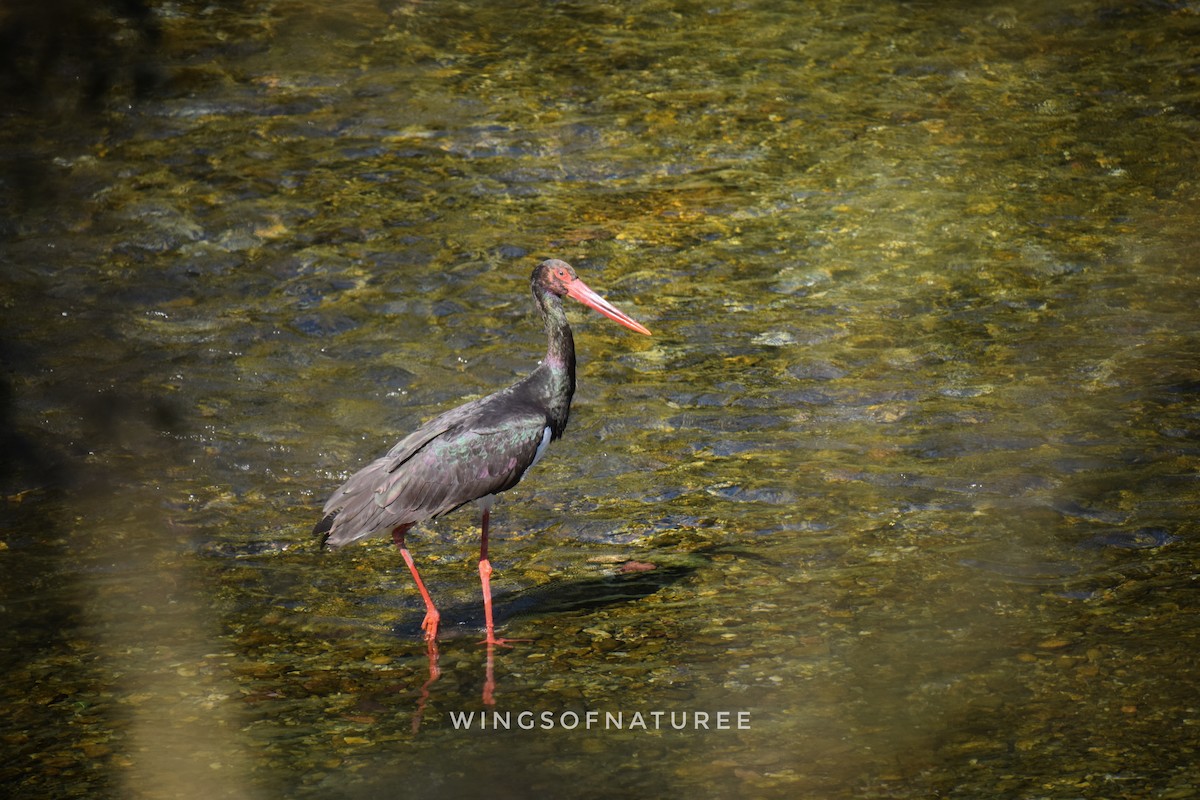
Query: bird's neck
{"points": [[558, 367]]}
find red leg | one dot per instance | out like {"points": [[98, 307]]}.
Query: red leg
{"points": [[485, 575], [430, 623]]}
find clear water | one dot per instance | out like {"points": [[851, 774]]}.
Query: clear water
{"points": [[913, 449]]}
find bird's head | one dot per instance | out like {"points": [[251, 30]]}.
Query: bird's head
{"points": [[560, 278]]}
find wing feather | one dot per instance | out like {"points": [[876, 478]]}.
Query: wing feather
{"points": [[472, 451]]}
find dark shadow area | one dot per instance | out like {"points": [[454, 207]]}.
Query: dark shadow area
{"points": [[37, 461], [61, 63], [25, 463], [76, 53]]}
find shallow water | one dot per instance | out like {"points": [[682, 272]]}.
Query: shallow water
{"points": [[913, 450]]}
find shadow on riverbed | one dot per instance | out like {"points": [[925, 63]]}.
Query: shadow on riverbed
{"points": [[571, 596], [560, 597]]}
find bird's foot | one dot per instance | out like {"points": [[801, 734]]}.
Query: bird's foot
{"points": [[430, 625]]}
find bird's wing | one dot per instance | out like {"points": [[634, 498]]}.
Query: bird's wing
{"points": [[370, 477], [462, 464], [437, 469]]}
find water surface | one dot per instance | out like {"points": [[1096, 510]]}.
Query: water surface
{"points": [[913, 450]]}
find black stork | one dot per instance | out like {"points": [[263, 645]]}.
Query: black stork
{"points": [[472, 452]]}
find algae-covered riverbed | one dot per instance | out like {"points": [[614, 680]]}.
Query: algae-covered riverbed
{"points": [[904, 484]]}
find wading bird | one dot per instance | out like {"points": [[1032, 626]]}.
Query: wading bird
{"points": [[472, 452]]}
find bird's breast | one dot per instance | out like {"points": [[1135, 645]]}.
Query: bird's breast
{"points": [[541, 448]]}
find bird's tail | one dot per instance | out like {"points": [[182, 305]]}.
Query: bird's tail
{"points": [[323, 527]]}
